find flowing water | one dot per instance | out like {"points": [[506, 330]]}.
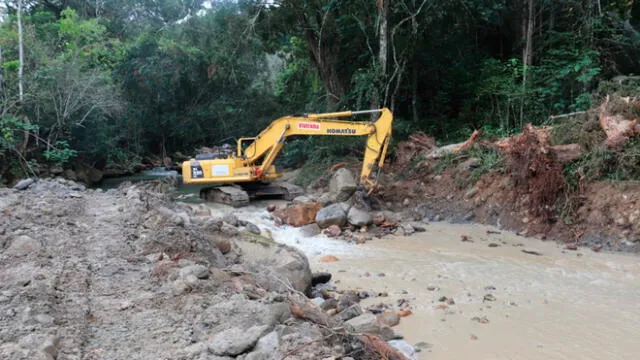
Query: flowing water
{"points": [[553, 304]]}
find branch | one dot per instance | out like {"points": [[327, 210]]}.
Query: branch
{"points": [[553, 117]]}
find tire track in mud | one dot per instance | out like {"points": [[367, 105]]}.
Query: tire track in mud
{"points": [[80, 284], [72, 307]]}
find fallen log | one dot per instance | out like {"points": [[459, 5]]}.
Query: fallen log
{"points": [[566, 153], [454, 148]]}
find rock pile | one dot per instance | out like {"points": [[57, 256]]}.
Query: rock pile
{"points": [[126, 273], [340, 210]]}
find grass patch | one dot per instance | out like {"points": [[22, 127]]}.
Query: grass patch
{"points": [[488, 160], [605, 163]]}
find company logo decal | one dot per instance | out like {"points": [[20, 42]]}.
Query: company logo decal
{"points": [[308, 126], [341, 131]]}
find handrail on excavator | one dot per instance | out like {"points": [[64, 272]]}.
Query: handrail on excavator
{"points": [[341, 114]]}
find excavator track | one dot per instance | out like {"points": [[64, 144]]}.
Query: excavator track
{"points": [[258, 190], [240, 195], [230, 195]]}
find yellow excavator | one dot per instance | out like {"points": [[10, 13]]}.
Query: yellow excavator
{"points": [[236, 177]]}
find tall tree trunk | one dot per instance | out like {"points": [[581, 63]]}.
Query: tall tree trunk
{"points": [[2, 94], [20, 53], [414, 91], [383, 54], [527, 55], [323, 58], [383, 6], [25, 141]]}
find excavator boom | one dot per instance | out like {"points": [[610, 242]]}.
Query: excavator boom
{"points": [[254, 163]]}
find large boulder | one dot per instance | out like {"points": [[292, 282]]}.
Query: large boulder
{"points": [[24, 184], [236, 341], [88, 175], [331, 215], [299, 214], [276, 266], [342, 184], [359, 217], [369, 324]]}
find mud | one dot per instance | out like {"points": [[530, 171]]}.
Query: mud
{"points": [[508, 297]]}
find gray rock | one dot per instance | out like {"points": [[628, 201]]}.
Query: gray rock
{"points": [[361, 200], [347, 299], [276, 265], [469, 164], [44, 319], [407, 350], [252, 228], [359, 217], [418, 226], [180, 287], [350, 312], [368, 323], [320, 278], [318, 301], [364, 294], [408, 229], [70, 174], [310, 230], [78, 187], [266, 348], [199, 271], [236, 341], [327, 199], [301, 200], [24, 184], [342, 184], [56, 170], [212, 224], [346, 205], [23, 245], [331, 215], [230, 219], [471, 193], [329, 304], [229, 229], [50, 346]]}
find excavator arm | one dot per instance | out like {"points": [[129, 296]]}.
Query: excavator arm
{"points": [[261, 153]]}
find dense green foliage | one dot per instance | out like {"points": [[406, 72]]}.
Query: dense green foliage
{"points": [[109, 81]]}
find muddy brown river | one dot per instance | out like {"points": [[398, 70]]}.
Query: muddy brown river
{"points": [[553, 304]]}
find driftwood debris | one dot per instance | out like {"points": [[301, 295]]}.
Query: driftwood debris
{"points": [[419, 144], [615, 122], [563, 153], [617, 118], [454, 148]]}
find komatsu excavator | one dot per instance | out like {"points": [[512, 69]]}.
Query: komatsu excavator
{"points": [[236, 177]]}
